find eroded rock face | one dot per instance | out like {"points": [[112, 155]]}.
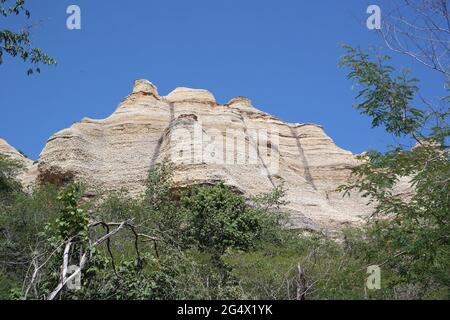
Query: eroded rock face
{"points": [[236, 143], [28, 176]]}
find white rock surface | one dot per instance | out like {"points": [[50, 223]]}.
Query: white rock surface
{"points": [[188, 127], [28, 176]]}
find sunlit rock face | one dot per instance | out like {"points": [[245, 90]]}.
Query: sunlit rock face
{"points": [[29, 171], [247, 149]]}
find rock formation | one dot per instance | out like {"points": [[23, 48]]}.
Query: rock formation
{"points": [[29, 173], [236, 143]]}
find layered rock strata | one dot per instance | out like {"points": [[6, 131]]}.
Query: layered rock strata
{"points": [[235, 143]]}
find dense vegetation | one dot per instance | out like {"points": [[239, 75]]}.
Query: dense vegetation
{"points": [[202, 243]]}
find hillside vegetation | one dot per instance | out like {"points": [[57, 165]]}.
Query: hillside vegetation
{"points": [[202, 243]]}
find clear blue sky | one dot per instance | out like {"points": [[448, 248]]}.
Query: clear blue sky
{"points": [[283, 55]]}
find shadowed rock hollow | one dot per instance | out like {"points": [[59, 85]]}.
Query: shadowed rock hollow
{"points": [[236, 143]]}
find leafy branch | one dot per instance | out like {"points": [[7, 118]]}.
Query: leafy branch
{"points": [[18, 44]]}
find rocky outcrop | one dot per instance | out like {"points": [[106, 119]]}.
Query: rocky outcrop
{"points": [[236, 143], [29, 172]]}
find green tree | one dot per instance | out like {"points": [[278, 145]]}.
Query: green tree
{"points": [[411, 229], [9, 169], [18, 44], [22, 220], [221, 219]]}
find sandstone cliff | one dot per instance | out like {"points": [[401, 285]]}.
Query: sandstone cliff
{"points": [[236, 143], [28, 176]]}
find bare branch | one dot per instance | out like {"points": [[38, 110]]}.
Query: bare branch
{"points": [[420, 29], [105, 238]]}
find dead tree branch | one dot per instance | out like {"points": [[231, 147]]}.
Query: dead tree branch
{"points": [[84, 254], [419, 29]]}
